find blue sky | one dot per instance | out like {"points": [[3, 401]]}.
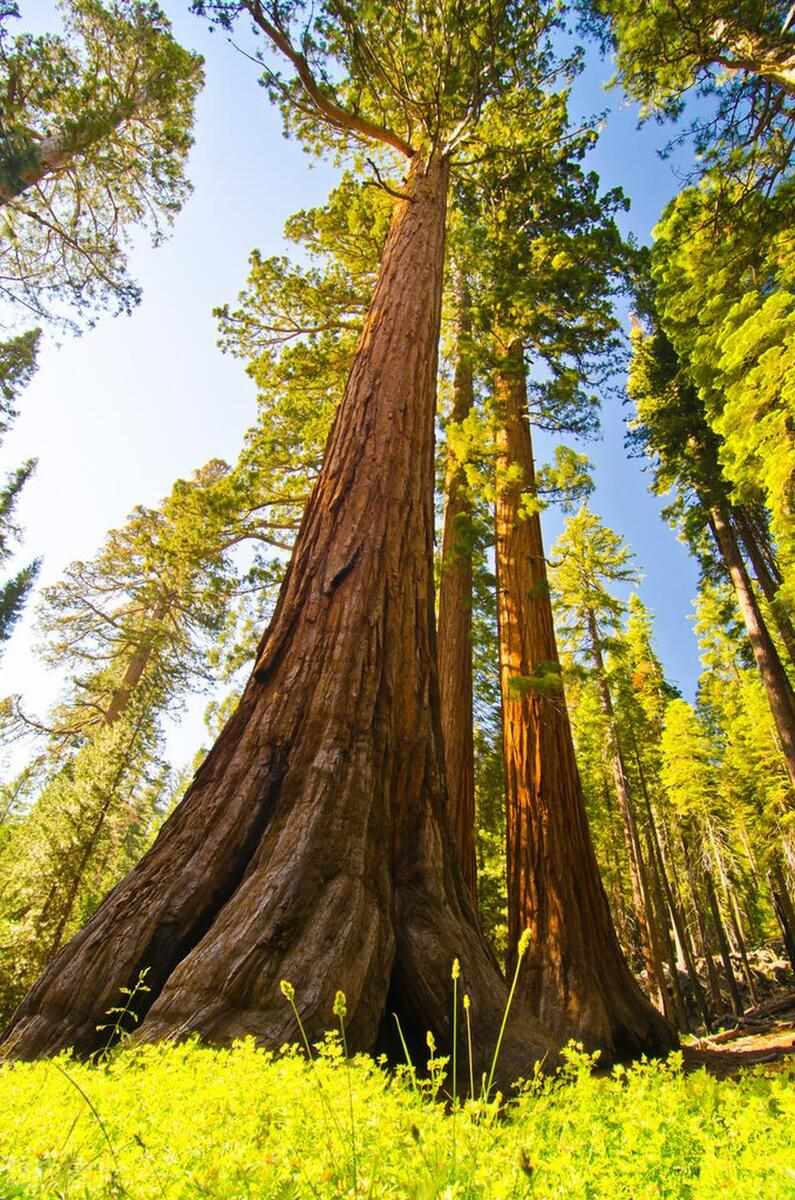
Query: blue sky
{"points": [[116, 415]]}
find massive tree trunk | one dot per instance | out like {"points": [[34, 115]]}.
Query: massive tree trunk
{"points": [[312, 844], [774, 677], [574, 977], [455, 623]]}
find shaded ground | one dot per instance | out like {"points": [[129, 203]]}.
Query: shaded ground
{"points": [[765, 1034]]}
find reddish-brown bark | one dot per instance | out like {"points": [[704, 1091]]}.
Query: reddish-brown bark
{"points": [[575, 978], [455, 625], [312, 844]]}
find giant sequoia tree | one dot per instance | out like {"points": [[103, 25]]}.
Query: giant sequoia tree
{"points": [[312, 842], [549, 256]]}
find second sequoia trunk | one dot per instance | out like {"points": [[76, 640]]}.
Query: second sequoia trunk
{"points": [[312, 843], [574, 977]]}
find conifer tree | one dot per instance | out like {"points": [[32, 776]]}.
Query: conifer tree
{"points": [[546, 257], [17, 364], [94, 132], [683, 393], [738, 55], [641, 694], [752, 779], [590, 559], [137, 628], [688, 775]]}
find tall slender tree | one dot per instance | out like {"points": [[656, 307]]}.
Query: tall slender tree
{"points": [[671, 425], [455, 609]]}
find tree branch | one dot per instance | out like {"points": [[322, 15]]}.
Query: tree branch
{"points": [[332, 112]]}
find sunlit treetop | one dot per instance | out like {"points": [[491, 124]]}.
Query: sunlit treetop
{"points": [[589, 559], [415, 75], [725, 295], [545, 253]]}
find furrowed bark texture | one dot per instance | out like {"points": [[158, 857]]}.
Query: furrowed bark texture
{"points": [[455, 627], [574, 976], [312, 844]]}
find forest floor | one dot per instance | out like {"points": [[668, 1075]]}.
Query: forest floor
{"points": [[764, 1035]]}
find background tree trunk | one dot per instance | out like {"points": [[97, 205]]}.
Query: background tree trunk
{"points": [[312, 844], [774, 677], [641, 898], [574, 977], [723, 943], [455, 623], [783, 908], [768, 582]]}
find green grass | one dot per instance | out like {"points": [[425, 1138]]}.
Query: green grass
{"points": [[173, 1122]]}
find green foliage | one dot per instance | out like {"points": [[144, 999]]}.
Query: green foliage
{"points": [[588, 557], [670, 428], [545, 681], [296, 328], [567, 479], [411, 77], [96, 128], [542, 251], [725, 291], [89, 825], [142, 616], [752, 783], [740, 54], [149, 619], [173, 1122], [688, 772], [17, 366]]}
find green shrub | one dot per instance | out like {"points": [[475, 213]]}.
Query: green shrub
{"points": [[180, 1122]]}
